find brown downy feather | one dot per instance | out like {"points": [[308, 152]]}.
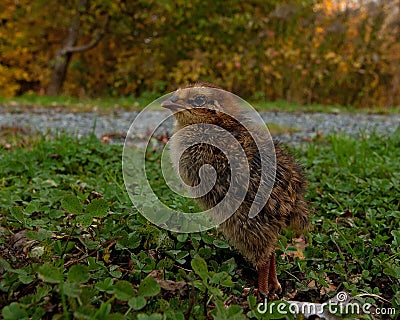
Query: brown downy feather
{"points": [[256, 237]]}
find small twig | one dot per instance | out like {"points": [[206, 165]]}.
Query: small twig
{"points": [[104, 244], [205, 302], [192, 294], [373, 296], [184, 269], [292, 275], [64, 301], [391, 257]]}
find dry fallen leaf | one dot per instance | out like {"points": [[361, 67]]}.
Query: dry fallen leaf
{"points": [[312, 284], [299, 243], [108, 137], [168, 285], [331, 287]]}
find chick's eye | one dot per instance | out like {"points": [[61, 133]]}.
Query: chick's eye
{"points": [[199, 101]]}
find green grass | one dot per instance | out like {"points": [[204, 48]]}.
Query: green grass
{"points": [[284, 106], [109, 104], [103, 104], [72, 246]]}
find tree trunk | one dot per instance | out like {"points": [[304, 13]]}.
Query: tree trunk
{"points": [[64, 54], [59, 73], [63, 57]]}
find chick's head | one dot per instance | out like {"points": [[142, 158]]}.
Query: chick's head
{"points": [[201, 103]]}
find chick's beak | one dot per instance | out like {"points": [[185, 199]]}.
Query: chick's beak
{"points": [[172, 103]]}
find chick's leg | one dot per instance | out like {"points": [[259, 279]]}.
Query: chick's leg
{"points": [[263, 274], [273, 283]]}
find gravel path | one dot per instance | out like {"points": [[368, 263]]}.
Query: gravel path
{"points": [[306, 125]]}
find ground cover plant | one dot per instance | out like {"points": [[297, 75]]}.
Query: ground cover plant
{"points": [[73, 247], [108, 105]]}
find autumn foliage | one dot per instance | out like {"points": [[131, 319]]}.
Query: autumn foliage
{"points": [[329, 52]]}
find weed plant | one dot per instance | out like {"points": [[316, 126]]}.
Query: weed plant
{"points": [[72, 246]]}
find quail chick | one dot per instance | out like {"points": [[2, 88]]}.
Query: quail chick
{"points": [[255, 238]]}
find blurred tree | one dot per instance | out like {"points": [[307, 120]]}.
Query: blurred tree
{"points": [[305, 51], [64, 54]]}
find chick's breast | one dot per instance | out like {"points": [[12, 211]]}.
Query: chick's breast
{"points": [[197, 148]]}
